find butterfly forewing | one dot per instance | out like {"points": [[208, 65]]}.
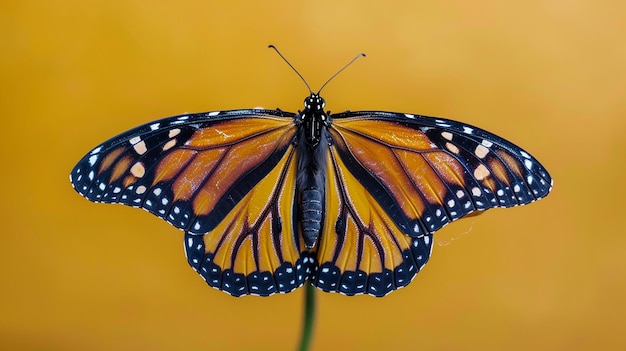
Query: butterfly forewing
{"points": [[191, 169], [430, 171]]}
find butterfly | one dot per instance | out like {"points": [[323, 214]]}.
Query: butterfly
{"points": [[269, 199]]}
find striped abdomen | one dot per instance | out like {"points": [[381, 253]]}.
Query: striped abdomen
{"points": [[311, 216]]}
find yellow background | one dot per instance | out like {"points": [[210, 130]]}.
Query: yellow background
{"points": [[547, 75]]}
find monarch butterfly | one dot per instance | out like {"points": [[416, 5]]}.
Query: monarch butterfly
{"points": [[269, 199]]}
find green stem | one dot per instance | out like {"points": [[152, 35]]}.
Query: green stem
{"points": [[309, 316]]}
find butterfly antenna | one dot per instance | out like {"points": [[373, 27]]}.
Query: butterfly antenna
{"points": [[293, 68], [344, 67]]}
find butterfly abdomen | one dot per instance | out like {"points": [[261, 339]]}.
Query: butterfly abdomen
{"points": [[311, 216]]}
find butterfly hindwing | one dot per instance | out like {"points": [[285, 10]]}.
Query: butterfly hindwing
{"points": [[256, 249], [361, 249]]}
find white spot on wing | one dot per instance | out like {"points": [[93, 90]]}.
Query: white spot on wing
{"points": [[140, 147], [96, 150], [481, 172], [481, 151], [452, 148], [170, 144], [214, 113], [174, 132], [155, 126], [528, 164], [476, 191], [138, 170], [92, 160]]}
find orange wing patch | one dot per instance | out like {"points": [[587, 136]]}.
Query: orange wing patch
{"points": [[235, 131], [108, 161], [395, 135], [238, 160]]}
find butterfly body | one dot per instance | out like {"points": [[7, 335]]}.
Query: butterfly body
{"points": [[270, 199], [312, 144]]}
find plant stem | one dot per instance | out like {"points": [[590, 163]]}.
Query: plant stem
{"points": [[309, 316]]}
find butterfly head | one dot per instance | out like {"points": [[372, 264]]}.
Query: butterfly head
{"points": [[313, 118], [314, 103]]}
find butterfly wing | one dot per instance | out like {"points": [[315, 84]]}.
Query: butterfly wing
{"points": [[394, 179], [361, 249], [226, 178]]}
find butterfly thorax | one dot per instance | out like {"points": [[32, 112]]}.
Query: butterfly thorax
{"points": [[313, 118]]}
